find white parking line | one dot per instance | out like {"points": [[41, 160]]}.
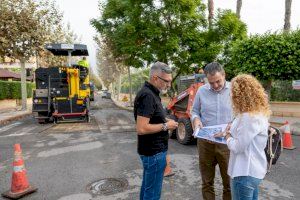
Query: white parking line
{"points": [[23, 131], [5, 128], [16, 134], [76, 148]]}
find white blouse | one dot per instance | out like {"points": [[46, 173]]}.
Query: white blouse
{"points": [[249, 138]]}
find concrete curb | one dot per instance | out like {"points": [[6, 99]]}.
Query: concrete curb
{"points": [[14, 117], [121, 106]]}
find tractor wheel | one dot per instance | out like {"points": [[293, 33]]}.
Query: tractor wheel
{"points": [[184, 131], [172, 134]]}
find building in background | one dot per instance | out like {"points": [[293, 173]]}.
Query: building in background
{"points": [[10, 70], [7, 75]]}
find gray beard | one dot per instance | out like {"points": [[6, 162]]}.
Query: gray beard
{"points": [[163, 91]]}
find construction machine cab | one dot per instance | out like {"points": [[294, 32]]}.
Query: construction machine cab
{"points": [[179, 107]]}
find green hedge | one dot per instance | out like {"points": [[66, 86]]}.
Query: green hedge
{"points": [[272, 56], [12, 90], [283, 91]]}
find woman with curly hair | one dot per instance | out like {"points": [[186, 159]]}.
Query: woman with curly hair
{"points": [[247, 137]]}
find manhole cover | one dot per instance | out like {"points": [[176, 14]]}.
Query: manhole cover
{"points": [[108, 186]]}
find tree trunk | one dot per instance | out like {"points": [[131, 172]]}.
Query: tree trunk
{"points": [[113, 94], [210, 12], [23, 85], [110, 89], [268, 86], [130, 86], [119, 86], [238, 8], [173, 89], [37, 60], [102, 83], [287, 15]]}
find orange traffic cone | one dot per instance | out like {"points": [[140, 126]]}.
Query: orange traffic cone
{"points": [[19, 184], [287, 137], [168, 171]]}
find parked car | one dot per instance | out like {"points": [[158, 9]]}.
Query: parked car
{"points": [[106, 94]]}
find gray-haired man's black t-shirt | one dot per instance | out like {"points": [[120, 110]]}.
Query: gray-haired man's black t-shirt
{"points": [[148, 104]]}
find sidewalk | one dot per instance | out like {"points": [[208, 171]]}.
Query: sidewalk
{"points": [[8, 115], [10, 110], [122, 105]]}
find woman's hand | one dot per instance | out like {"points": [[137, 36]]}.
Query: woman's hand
{"points": [[228, 135], [220, 134], [225, 133]]}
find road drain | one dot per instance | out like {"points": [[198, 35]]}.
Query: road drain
{"points": [[108, 186]]}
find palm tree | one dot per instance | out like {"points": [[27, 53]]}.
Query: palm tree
{"points": [[287, 15], [210, 12], [238, 8]]}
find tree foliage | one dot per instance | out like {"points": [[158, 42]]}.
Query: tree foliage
{"points": [[26, 25], [282, 90], [61, 34], [175, 32], [11, 89], [95, 79], [109, 68], [138, 79], [268, 57]]}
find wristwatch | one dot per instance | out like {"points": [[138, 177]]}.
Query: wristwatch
{"points": [[164, 127]]}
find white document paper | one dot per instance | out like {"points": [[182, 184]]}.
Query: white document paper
{"points": [[208, 132]]}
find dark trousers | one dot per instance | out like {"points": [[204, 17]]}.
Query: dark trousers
{"points": [[211, 154]]}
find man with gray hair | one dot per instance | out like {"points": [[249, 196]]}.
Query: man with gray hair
{"points": [[152, 129], [212, 106]]}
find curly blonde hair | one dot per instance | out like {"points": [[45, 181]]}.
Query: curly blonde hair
{"points": [[248, 95]]}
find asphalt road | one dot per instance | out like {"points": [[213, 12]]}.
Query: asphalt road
{"points": [[76, 161]]}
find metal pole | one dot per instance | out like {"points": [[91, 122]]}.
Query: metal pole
{"points": [[23, 85], [69, 58]]}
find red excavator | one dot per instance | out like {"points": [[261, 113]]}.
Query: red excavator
{"points": [[180, 106]]}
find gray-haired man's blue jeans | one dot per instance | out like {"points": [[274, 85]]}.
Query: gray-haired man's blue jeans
{"points": [[153, 175]]}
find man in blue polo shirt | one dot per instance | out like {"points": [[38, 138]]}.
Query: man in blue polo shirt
{"points": [[152, 129]]}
